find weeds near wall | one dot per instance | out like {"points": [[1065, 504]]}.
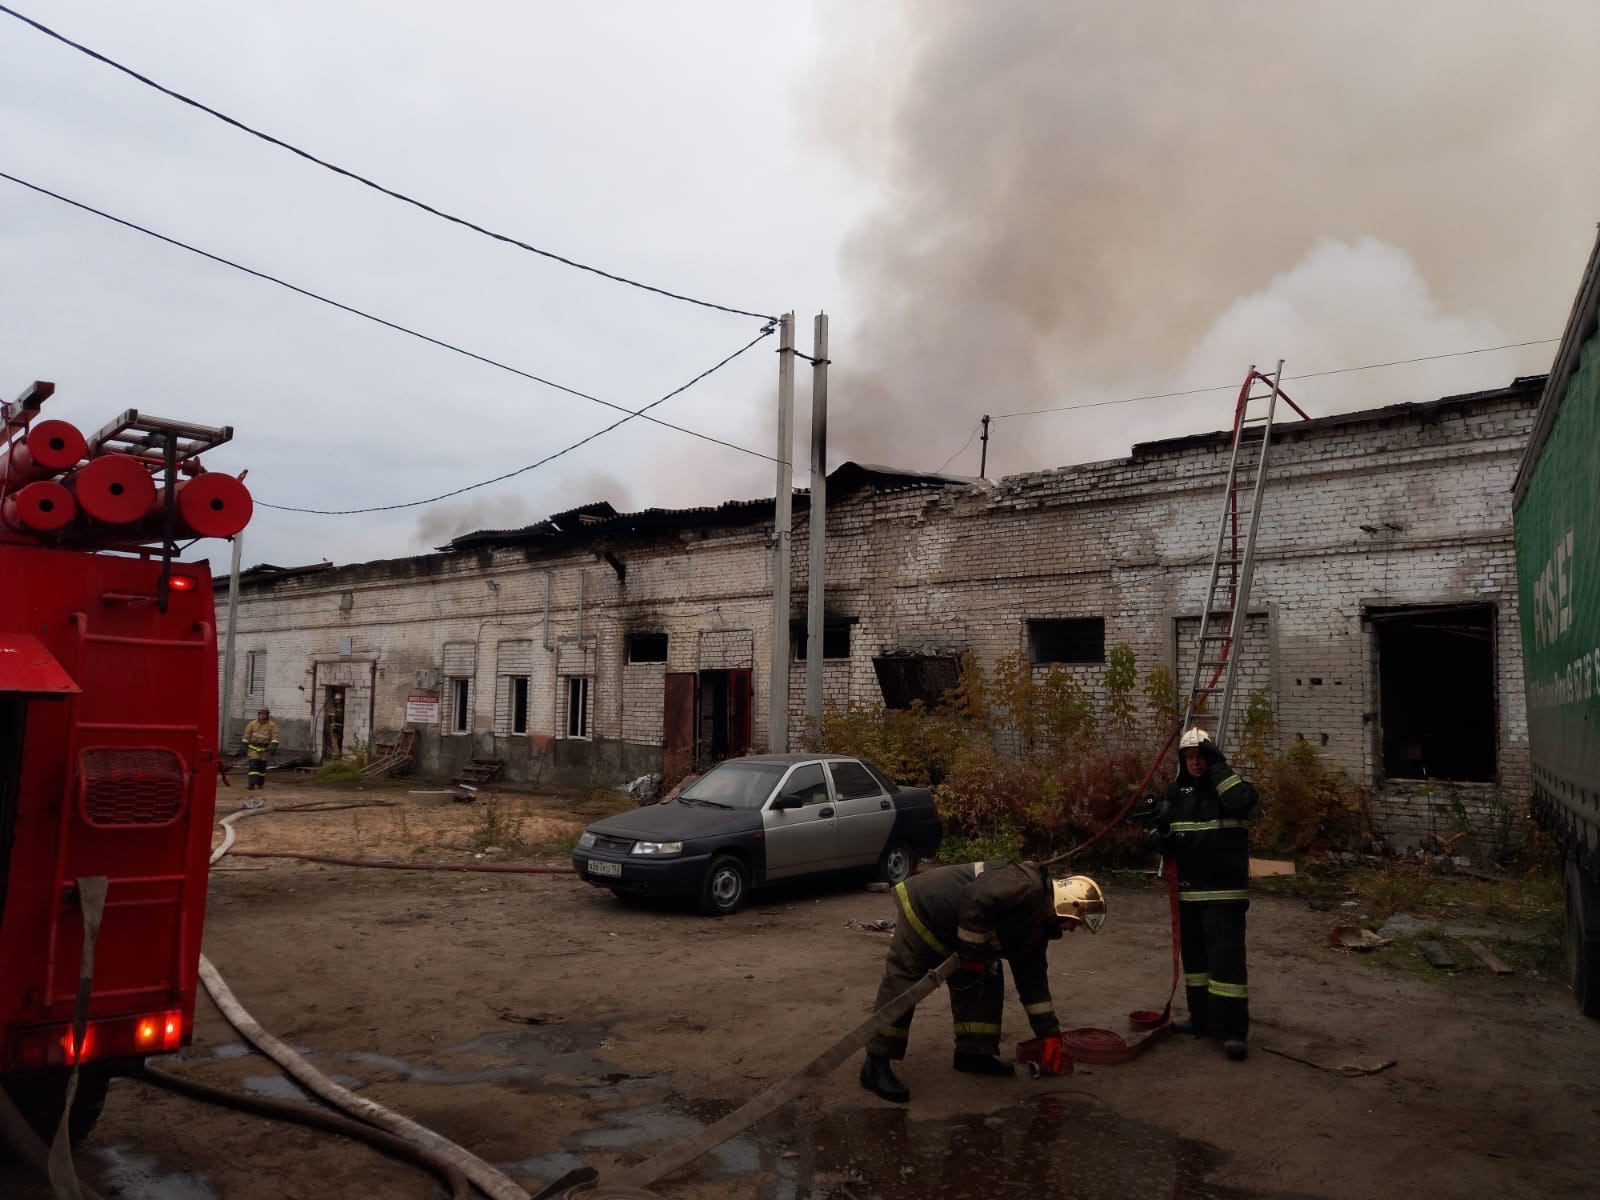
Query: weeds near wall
{"points": [[499, 824], [1022, 761]]}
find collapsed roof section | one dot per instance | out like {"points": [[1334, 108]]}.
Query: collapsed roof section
{"points": [[581, 524]]}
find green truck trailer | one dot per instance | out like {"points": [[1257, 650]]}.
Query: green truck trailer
{"points": [[1557, 517]]}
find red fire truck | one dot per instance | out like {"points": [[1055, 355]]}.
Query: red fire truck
{"points": [[108, 743]]}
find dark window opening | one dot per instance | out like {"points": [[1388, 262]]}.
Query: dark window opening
{"points": [[647, 647], [519, 704], [1436, 693], [1069, 640], [906, 678], [578, 706], [460, 714], [835, 640]]}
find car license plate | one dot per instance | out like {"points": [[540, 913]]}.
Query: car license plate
{"points": [[596, 867]]}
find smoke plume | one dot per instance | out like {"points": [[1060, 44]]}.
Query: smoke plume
{"points": [[1088, 201]]}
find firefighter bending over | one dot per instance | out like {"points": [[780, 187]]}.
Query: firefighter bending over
{"points": [[982, 912], [260, 739], [1203, 823]]}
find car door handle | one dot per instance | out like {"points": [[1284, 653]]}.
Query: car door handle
{"points": [[884, 804], [826, 812]]}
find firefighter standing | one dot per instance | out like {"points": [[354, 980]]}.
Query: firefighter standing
{"points": [[260, 740], [1203, 823], [983, 912]]}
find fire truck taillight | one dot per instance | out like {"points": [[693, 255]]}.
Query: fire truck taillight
{"points": [[181, 583], [112, 1037]]}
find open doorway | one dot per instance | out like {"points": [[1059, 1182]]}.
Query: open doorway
{"points": [[705, 719], [333, 723], [1436, 692]]}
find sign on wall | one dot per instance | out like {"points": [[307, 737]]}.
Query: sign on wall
{"points": [[422, 708]]}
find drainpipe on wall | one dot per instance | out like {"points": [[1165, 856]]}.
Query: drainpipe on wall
{"points": [[581, 575], [548, 576]]}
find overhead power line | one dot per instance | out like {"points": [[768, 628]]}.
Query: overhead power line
{"points": [[407, 330], [482, 483], [958, 453], [1234, 387], [373, 184]]}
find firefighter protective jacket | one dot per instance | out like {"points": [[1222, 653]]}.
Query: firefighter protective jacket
{"points": [[988, 910], [1205, 826], [259, 736]]}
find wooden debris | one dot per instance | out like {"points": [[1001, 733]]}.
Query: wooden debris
{"points": [[1355, 937], [1486, 956], [1437, 956]]}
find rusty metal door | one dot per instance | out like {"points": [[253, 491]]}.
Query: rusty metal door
{"points": [[738, 713], [677, 726]]}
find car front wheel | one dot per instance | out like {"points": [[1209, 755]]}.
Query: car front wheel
{"points": [[726, 886], [897, 863]]}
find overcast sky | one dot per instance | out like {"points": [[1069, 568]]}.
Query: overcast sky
{"points": [[1003, 207]]}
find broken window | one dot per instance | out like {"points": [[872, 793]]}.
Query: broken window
{"points": [[906, 678], [1436, 692], [647, 647], [1069, 640], [460, 706], [835, 639]]}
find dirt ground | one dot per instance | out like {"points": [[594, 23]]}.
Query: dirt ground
{"points": [[544, 1025]]}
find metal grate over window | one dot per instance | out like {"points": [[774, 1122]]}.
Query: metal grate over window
{"points": [[121, 786]]}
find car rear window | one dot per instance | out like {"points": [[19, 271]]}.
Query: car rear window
{"points": [[853, 781], [740, 784]]}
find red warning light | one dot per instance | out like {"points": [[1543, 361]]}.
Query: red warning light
{"points": [[181, 583]]}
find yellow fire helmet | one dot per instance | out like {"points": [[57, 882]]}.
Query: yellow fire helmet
{"points": [[1079, 899]]}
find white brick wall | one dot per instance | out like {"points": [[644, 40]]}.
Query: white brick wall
{"points": [[1403, 507]]}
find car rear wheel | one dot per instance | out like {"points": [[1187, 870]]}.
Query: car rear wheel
{"points": [[726, 885], [897, 862]]}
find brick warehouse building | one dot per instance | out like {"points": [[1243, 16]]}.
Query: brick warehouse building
{"points": [[596, 645]]}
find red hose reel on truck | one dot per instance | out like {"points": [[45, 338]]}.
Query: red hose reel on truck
{"points": [[108, 744]]}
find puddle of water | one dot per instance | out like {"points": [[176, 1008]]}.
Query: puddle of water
{"points": [[1050, 1145], [120, 1172], [281, 1087]]}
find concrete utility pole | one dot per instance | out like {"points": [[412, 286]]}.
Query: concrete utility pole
{"points": [[782, 527], [227, 653], [818, 519]]}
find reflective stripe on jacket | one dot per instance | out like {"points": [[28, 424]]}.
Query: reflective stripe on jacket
{"points": [[989, 910], [1206, 828]]}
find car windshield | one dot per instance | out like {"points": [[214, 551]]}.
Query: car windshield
{"points": [[735, 784]]}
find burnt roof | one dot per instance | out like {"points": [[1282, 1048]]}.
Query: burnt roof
{"points": [[579, 524]]}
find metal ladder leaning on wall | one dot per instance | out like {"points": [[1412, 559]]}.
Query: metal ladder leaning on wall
{"points": [[1227, 599]]}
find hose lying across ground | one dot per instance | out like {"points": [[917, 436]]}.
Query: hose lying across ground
{"points": [[440, 1153]]}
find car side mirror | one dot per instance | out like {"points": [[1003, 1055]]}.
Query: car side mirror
{"points": [[789, 802]]}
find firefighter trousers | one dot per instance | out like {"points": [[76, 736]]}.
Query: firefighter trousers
{"points": [[1214, 977], [976, 1001], [257, 773]]}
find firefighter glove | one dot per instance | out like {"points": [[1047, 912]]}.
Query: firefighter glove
{"points": [[1052, 1056]]}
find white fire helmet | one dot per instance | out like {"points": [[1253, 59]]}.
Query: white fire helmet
{"points": [[1079, 899], [1193, 739]]}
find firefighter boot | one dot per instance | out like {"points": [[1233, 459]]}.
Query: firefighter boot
{"points": [[878, 1076], [1236, 1048], [981, 1064]]}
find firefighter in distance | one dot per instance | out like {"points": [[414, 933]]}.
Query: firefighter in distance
{"points": [[260, 740], [983, 912], [1202, 823]]}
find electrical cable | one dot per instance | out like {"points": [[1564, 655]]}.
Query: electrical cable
{"points": [[363, 180], [439, 342], [1231, 387], [345, 512], [958, 453]]}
